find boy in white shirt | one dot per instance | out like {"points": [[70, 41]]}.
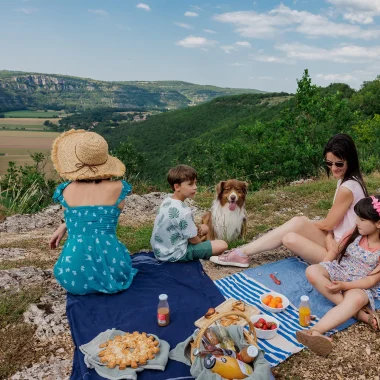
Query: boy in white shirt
{"points": [[175, 236]]}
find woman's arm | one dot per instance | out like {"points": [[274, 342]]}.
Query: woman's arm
{"points": [[365, 283], [57, 236], [343, 200]]}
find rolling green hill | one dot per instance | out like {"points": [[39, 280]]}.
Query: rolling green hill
{"points": [[21, 90], [172, 137]]}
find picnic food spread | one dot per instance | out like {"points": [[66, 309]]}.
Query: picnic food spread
{"points": [[129, 350], [264, 325]]}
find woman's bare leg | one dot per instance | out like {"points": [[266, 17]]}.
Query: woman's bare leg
{"points": [[273, 239], [307, 249]]}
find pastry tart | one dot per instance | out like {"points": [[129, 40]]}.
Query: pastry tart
{"points": [[128, 350]]}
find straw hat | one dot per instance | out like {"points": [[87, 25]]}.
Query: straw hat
{"points": [[78, 155]]}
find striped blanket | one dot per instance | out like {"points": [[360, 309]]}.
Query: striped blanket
{"points": [[284, 344]]}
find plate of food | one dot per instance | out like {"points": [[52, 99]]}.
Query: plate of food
{"points": [[231, 304], [128, 350]]}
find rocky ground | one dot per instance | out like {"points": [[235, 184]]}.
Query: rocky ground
{"points": [[27, 263]]}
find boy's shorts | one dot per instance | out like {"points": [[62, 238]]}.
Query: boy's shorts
{"points": [[197, 251]]}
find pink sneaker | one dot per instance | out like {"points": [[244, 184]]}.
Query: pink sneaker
{"points": [[234, 258]]}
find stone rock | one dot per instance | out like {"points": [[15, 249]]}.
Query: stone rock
{"points": [[56, 369], [23, 277], [12, 254], [301, 181], [143, 208], [50, 314], [49, 217]]}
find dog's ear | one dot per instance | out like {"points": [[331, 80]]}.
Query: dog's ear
{"points": [[219, 188], [245, 187]]}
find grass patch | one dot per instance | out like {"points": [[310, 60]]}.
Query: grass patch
{"points": [[37, 263], [13, 305], [32, 114], [135, 238], [38, 243], [16, 349], [324, 204]]}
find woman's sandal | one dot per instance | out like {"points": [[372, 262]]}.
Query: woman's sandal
{"points": [[371, 316], [319, 344]]}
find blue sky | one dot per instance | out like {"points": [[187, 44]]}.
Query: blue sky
{"points": [[263, 44]]}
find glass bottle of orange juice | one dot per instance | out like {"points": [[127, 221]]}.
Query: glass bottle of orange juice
{"points": [[304, 311]]}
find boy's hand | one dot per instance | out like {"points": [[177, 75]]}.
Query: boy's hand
{"points": [[202, 230]]}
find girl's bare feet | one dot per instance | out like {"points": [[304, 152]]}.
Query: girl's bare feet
{"points": [[369, 317]]}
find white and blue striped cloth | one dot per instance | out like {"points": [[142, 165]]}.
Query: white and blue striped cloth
{"points": [[284, 344]]}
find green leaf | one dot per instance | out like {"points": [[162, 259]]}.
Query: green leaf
{"points": [[174, 238], [183, 224], [173, 212]]}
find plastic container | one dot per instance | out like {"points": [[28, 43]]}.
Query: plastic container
{"points": [[304, 311], [265, 334], [163, 311], [225, 340], [285, 302], [227, 367]]}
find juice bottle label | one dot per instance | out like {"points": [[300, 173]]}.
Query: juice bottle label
{"points": [[304, 314], [245, 368], [162, 319]]}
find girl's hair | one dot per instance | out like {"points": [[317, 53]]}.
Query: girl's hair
{"points": [[364, 209], [343, 147]]}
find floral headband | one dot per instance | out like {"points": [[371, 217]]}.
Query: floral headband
{"points": [[376, 204]]}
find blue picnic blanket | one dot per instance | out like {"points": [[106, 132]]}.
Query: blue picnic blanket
{"points": [[190, 293]]}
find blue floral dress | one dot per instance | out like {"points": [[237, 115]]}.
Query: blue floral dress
{"points": [[93, 259], [356, 264]]}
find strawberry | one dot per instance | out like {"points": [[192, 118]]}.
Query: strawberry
{"points": [[259, 325], [262, 320], [265, 327], [273, 327], [269, 324]]}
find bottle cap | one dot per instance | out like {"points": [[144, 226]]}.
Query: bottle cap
{"points": [[163, 297], [304, 298], [196, 352], [252, 351]]}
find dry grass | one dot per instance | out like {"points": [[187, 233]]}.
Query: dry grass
{"points": [[26, 121]]}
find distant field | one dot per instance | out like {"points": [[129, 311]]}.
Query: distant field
{"points": [[22, 126], [31, 114], [17, 145], [26, 121]]}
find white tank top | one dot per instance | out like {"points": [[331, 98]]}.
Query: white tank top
{"points": [[349, 220]]}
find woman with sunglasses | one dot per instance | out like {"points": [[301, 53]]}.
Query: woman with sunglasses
{"points": [[312, 239]]}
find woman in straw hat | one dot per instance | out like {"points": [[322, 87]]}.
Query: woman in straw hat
{"points": [[92, 259]]}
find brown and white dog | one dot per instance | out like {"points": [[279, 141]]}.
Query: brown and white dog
{"points": [[227, 218]]}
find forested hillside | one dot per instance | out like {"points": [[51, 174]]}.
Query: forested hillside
{"points": [[254, 137], [19, 90]]}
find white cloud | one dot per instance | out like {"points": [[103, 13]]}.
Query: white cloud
{"points": [[358, 11], [238, 64], [344, 54], [143, 6], [27, 11], [271, 59], [282, 19], [196, 42], [265, 78], [191, 14], [197, 8], [209, 31], [243, 44], [100, 12], [183, 25], [336, 77], [228, 48]]}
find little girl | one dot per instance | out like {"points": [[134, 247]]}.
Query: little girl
{"points": [[92, 259], [348, 277]]}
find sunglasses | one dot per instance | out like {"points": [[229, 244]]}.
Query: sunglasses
{"points": [[338, 164]]}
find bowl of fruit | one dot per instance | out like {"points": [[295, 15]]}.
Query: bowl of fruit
{"points": [[274, 302], [266, 326]]}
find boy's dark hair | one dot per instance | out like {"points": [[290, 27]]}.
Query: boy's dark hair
{"points": [[181, 173]]}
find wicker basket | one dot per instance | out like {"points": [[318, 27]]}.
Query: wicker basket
{"points": [[250, 335]]}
